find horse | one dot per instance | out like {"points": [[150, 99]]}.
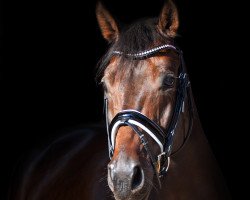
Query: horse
{"points": [[152, 146], [155, 139]]}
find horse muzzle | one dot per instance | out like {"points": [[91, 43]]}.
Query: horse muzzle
{"points": [[125, 177]]}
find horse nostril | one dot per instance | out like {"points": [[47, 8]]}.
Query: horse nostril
{"points": [[137, 178]]}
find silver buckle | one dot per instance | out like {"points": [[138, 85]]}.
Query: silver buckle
{"points": [[164, 170], [159, 161]]}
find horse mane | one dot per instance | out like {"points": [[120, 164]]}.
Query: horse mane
{"points": [[139, 36]]}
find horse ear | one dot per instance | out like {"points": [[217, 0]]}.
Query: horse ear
{"points": [[168, 22], [106, 23]]}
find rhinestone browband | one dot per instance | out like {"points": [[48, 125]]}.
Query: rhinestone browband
{"points": [[147, 52]]}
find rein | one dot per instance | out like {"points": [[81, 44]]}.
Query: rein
{"points": [[136, 120]]}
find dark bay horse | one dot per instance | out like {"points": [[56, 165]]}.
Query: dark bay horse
{"points": [[156, 145], [155, 137]]}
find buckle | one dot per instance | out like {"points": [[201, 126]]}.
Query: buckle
{"points": [[160, 161]]}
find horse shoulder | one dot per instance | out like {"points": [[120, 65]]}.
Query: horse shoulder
{"points": [[72, 167]]}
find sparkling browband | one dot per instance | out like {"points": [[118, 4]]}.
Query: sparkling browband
{"points": [[147, 52]]}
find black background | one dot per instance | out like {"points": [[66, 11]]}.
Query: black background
{"points": [[49, 50]]}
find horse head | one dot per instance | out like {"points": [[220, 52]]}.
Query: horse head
{"points": [[145, 84]]}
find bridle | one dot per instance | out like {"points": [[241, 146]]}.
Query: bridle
{"points": [[142, 125]]}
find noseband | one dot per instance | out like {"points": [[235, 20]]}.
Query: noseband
{"points": [[142, 125]]}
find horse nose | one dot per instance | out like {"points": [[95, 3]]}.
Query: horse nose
{"points": [[125, 178]]}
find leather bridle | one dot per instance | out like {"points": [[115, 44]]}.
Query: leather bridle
{"points": [[142, 125]]}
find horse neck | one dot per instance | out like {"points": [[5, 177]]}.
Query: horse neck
{"points": [[193, 172]]}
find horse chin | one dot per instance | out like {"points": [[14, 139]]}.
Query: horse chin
{"points": [[135, 197], [141, 195]]}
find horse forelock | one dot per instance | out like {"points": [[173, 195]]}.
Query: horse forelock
{"points": [[139, 36]]}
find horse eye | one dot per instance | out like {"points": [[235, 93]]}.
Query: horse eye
{"points": [[169, 81]]}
